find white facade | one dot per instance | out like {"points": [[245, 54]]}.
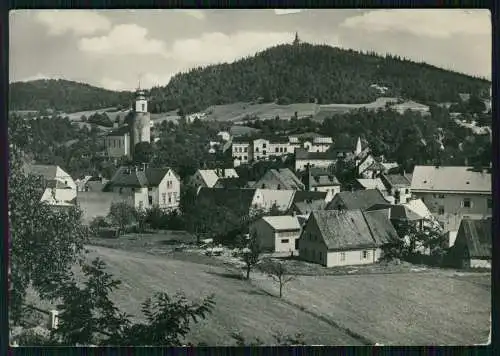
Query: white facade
{"points": [[277, 233], [301, 164], [242, 152], [62, 191]]}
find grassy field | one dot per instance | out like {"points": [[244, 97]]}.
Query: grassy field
{"points": [[239, 306], [400, 309]]}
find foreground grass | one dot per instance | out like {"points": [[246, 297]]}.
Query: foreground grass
{"points": [[240, 307], [399, 309]]}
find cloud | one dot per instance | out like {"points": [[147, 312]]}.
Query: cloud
{"points": [[216, 47], [79, 22], [437, 23], [287, 11], [123, 40]]}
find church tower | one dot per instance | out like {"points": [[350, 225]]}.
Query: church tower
{"points": [[359, 148], [140, 121]]}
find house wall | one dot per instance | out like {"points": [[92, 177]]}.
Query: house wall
{"points": [[284, 241], [168, 192], [404, 194], [311, 246], [353, 257], [477, 263], [279, 149], [264, 233], [64, 177], [452, 209], [300, 165], [266, 198], [117, 146], [331, 191], [242, 152]]}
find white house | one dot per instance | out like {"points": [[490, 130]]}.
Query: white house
{"points": [[277, 233], [60, 188], [321, 180], [144, 187], [398, 186], [453, 193], [345, 237]]}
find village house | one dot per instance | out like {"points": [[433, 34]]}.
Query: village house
{"points": [[356, 200], [224, 136], [91, 184], [453, 193], [343, 238], [321, 180], [117, 142], [277, 233], [143, 187], [279, 178], [209, 177], [60, 188], [473, 245], [398, 186], [310, 141], [242, 151]]}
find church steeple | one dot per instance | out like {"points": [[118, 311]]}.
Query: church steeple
{"points": [[296, 41]]}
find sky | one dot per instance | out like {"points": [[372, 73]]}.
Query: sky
{"points": [[117, 49]]}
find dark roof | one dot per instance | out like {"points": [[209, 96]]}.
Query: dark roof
{"points": [[233, 198], [343, 230], [376, 166], [398, 212], [241, 139], [305, 207], [54, 183], [301, 153], [359, 199], [396, 180], [477, 236], [129, 177], [287, 178], [303, 195], [229, 183], [120, 131]]}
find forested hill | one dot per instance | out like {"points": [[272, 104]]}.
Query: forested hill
{"points": [[63, 95], [304, 72]]}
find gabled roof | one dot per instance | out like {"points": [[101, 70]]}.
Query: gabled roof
{"points": [[321, 177], [209, 177], [282, 198], [476, 234], [303, 195], [287, 178], [343, 230], [282, 223], [46, 171], [303, 154], [305, 207], [369, 183], [396, 180], [229, 183], [419, 208], [360, 199], [450, 179], [129, 177]]}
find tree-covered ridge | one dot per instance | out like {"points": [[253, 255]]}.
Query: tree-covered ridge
{"points": [[307, 73], [63, 95]]}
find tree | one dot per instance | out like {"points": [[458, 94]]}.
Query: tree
{"points": [[122, 214], [251, 254], [143, 152], [279, 273], [44, 242]]}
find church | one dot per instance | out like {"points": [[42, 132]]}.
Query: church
{"points": [[120, 142]]}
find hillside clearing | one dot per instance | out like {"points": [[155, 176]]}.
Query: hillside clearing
{"points": [[399, 309], [239, 306]]}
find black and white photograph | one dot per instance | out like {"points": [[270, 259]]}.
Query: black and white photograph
{"points": [[250, 177]]}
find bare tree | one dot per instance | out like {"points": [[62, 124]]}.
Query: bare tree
{"points": [[251, 253], [279, 273]]}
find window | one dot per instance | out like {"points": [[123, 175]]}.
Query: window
{"points": [[245, 149], [164, 198], [276, 149], [490, 203], [141, 204], [264, 152], [407, 191], [245, 158], [342, 257], [150, 200], [150, 189], [263, 186], [297, 244], [120, 190], [441, 210], [143, 107], [364, 255], [263, 145], [284, 241], [279, 187], [114, 143], [466, 203], [320, 256], [441, 196], [170, 197], [256, 149]]}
